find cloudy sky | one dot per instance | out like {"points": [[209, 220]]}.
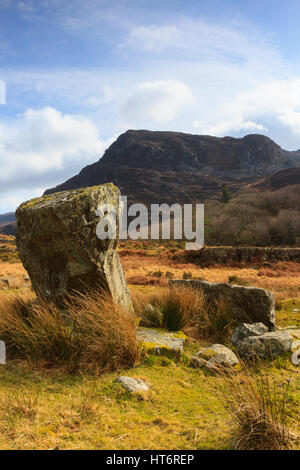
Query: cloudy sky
{"points": [[77, 73]]}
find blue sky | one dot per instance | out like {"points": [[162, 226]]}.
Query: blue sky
{"points": [[78, 73]]}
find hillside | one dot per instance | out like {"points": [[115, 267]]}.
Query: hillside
{"points": [[289, 177], [171, 166], [8, 223]]}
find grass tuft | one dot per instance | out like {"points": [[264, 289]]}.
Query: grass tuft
{"points": [[257, 404], [91, 334]]}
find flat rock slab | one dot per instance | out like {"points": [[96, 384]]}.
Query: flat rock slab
{"points": [[269, 345], [160, 342], [133, 385], [214, 356], [247, 304], [59, 247]]}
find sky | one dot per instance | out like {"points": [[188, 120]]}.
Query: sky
{"points": [[75, 74]]}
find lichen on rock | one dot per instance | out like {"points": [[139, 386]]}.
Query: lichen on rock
{"points": [[59, 247]]}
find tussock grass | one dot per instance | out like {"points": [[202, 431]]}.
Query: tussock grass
{"points": [[91, 334], [257, 402], [186, 309]]}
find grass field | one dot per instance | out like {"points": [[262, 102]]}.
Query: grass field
{"points": [[45, 407]]}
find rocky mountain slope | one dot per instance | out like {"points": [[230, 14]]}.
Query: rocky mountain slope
{"points": [[8, 223], [155, 166], [279, 180]]}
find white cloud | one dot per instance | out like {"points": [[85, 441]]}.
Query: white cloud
{"points": [[42, 146], [224, 127], [291, 119], [158, 101], [150, 38], [199, 39]]}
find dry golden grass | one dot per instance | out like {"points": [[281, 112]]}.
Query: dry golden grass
{"points": [[257, 402], [93, 334], [282, 278]]}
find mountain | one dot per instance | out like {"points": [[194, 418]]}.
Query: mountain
{"points": [[8, 224], [152, 166], [8, 217]]}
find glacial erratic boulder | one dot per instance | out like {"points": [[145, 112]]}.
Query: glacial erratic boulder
{"points": [[214, 357], [59, 247], [266, 346], [246, 304], [247, 329]]}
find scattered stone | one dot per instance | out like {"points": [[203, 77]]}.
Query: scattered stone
{"points": [[295, 345], [59, 247], [268, 345], [283, 328], [248, 329], [247, 304], [151, 316], [214, 356], [161, 342], [133, 385], [2, 353], [294, 332]]}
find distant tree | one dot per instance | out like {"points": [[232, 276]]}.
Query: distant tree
{"points": [[275, 236], [226, 194], [290, 239]]}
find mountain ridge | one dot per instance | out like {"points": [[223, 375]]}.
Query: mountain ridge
{"points": [[163, 166]]}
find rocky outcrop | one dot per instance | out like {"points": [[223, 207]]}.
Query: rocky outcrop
{"points": [[268, 345], [247, 329], [246, 304], [59, 248], [214, 357]]}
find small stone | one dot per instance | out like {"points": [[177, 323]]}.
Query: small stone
{"points": [[295, 345], [133, 385], [268, 345], [214, 356], [248, 329], [2, 353]]}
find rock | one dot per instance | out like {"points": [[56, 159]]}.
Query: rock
{"points": [[294, 332], [133, 385], [59, 248], [247, 304], [248, 329], [268, 345], [214, 356], [160, 342], [151, 316], [295, 345], [2, 353]]}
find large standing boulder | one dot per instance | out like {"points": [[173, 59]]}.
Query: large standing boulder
{"points": [[59, 247], [247, 304]]}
